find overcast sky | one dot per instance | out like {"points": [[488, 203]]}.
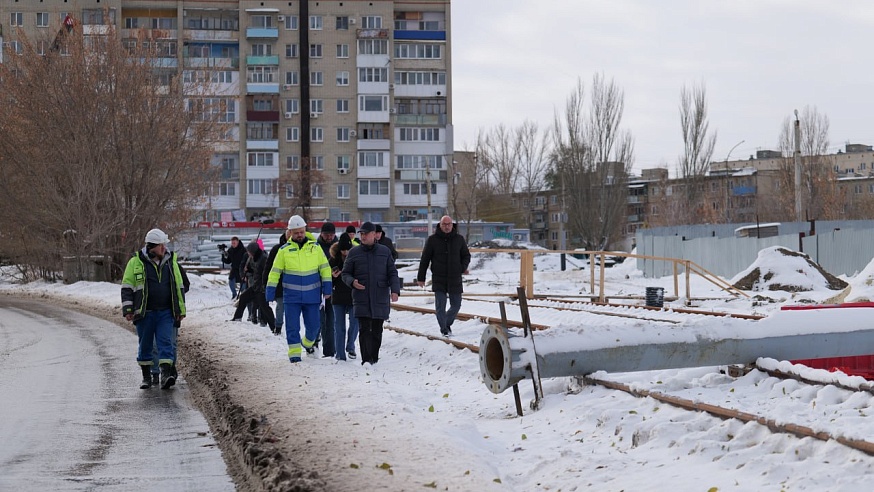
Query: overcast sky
{"points": [[759, 60]]}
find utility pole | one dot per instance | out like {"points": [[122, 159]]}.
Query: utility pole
{"points": [[797, 168], [428, 182]]}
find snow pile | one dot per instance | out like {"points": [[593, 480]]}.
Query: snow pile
{"points": [[778, 268]]}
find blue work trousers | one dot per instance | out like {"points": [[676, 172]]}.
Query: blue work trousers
{"points": [[311, 320], [156, 329]]}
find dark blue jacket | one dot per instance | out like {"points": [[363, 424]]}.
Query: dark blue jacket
{"points": [[374, 268]]}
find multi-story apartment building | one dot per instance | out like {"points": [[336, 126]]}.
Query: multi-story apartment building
{"points": [[341, 110]]}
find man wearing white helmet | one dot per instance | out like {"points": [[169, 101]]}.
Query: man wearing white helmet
{"points": [[153, 298], [302, 268]]}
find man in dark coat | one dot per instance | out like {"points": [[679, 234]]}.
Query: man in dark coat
{"points": [[255, 293], [370, 271], [386, 241], [279, 314], [234, 256], [447, 254], [327, 237]]}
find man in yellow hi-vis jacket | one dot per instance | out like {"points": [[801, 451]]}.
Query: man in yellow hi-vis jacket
{"points": [[153, 298], [303, 269]]}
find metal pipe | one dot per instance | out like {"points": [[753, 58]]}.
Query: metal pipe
{"points": [[507, 358]]}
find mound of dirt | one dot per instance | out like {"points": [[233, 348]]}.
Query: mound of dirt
{"points": [[778, 268]]}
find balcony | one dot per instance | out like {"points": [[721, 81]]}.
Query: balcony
{"points": [[271, 60], [538, 225], [271, 116], [743, 190], [373, 144], [421, 35], [195, 62], [210, 35], [262, 88], [420, 119], [262, 33], [371, 33], [262, 145], [149, 33]]}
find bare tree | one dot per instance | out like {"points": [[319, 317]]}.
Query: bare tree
{"points": [[820, 198], [499, 151], [694, 164], [591, 160], [98, 146]]}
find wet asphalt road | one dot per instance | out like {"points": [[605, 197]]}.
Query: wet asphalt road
{"points": [[72, 416]]}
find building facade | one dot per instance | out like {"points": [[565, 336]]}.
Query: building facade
{"points": [[338, 110]]}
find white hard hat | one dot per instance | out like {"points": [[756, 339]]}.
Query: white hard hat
{"points": [[296, 222], [157, 236]]}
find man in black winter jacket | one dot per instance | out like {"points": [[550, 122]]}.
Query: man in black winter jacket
{"points": [[386, 241], [255, 293], [280, 307], [447, 254], [235, 256]]}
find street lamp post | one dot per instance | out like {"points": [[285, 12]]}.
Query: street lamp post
{"points": [[797, 168]]}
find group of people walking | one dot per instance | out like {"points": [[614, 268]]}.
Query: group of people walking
{"points": [[342, 288]]}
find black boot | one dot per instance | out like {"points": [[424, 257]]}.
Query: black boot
{"points": [[147, 377], [168, 377]]}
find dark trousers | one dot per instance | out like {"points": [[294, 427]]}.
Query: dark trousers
{"points": [[326, 329], [369, 339], [249, 295]]}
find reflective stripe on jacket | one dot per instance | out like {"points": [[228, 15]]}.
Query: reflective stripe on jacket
{"points": [[303, 271]]}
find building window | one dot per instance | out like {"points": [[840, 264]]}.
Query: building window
{"points": [[317, 78], [344, 160], [317, 162], [260, 131], [261, 186], [292, 134], [373, 187], [291, 23], [372, 74], [316, 22], [372, 103], [292, 78], [261, 74], [42, 19], [316, 191], [344, 191], [342, 23], [857, 189], [417, 51], [371, 22], [262, 49], [227, 189], [342, 51], [370, 159], [261, 21], [317, 134], [289, 190], [317, 106], [292, 106], [260, 159], [16, 19], [342, 105], [342, 78], [372, 47], [292, 51], [315, 51], [419, 134], [292, 163], [420, 78], [419, 188], [343, 134], [418, 161]]}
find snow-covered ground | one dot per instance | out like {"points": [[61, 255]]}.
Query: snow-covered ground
{"points": [[422, 416]]}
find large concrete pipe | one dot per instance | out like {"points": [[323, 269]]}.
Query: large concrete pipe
{"points": [[507, 357]]}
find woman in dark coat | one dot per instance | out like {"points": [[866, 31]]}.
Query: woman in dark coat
{"points": [[370, 272], [255, 292], [342, 305]]}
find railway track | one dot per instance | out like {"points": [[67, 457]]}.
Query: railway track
{"points": [[806, 398]]}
